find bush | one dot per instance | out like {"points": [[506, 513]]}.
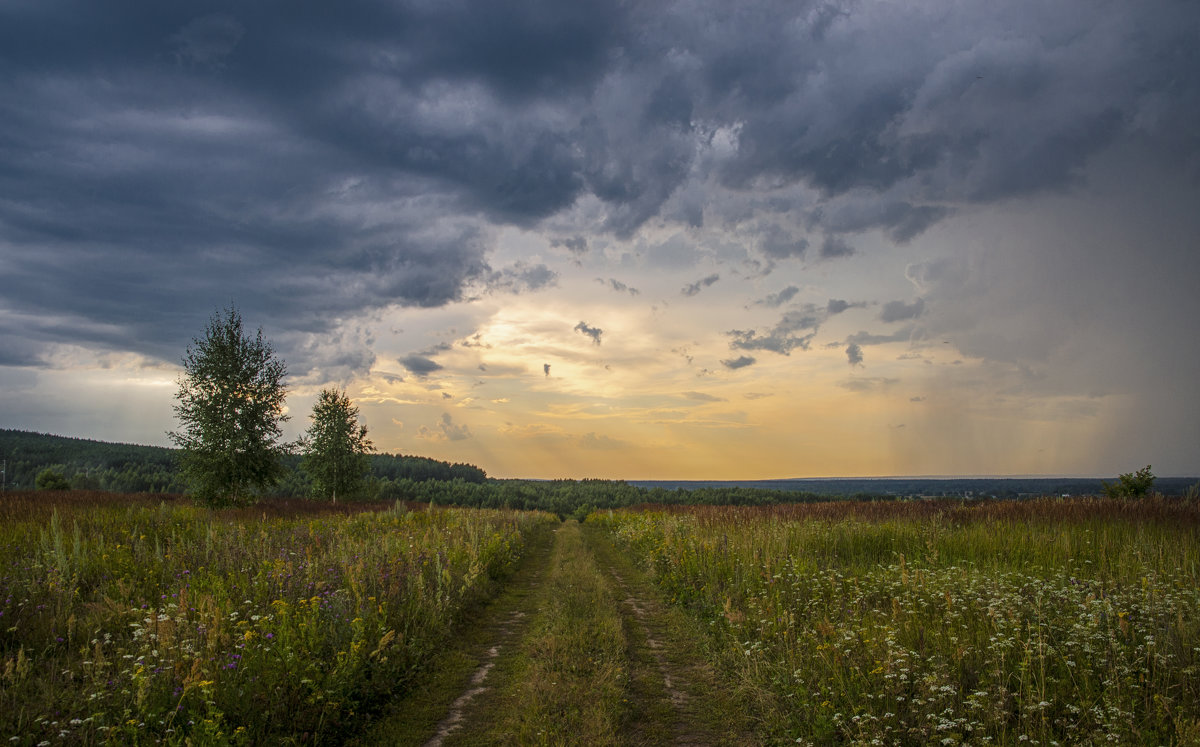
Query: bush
{"points": [[48, 479], [1131, 485]]}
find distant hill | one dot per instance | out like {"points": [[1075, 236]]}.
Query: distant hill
{"points": [[123, 468], [924, 487], [127, 468]]}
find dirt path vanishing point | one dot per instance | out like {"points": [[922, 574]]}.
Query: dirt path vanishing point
{"points": [[578, 649]]}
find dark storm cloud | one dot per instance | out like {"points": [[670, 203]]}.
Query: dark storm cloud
{"points": [[900, 220], [314, 163], [592, 332], [159, 164], [1011, 101], [692, 289], [23, 353], [207, 40]]}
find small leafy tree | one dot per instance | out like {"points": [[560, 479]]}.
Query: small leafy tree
{"points": [[48, 479], [1130, 484], [230, 407], [335, 447]]}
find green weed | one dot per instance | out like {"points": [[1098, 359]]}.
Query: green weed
{"points": [[129, 622], [1050, 622]]}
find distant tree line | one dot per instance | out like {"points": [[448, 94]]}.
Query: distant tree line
{"points": [[578, 498], [128, 468]]}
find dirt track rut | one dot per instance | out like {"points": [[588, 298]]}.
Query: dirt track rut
{"points": [[671, 694]]}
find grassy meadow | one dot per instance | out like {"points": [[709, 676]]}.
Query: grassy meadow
{"points": [[149, 620], [139, 621], [1038, 622]]}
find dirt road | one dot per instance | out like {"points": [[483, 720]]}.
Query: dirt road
{"points": [[578, 649]]}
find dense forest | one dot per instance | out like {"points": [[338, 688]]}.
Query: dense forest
{"points": [[126, 468]]}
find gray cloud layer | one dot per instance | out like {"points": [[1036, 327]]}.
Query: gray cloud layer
{"points": [[312, 163]]}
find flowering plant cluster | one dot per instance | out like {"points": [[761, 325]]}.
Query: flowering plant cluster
{"points": [[899, 630], [167, 625]]}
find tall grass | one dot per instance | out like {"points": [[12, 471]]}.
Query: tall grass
{"points": [[1044, 622], [132, 623]]}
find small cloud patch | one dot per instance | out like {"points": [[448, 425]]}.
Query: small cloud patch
{"points": [[868, 385], [618, 286], [419, 365], [592, 332], [854, 354], [703, 397], [692, 289], [447, 430], [736, 363]]}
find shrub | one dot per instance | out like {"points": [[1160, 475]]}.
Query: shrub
{"points": [[48, 479], [1131, 484]]}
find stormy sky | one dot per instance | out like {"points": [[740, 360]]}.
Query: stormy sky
{"points": [[611, 239]]}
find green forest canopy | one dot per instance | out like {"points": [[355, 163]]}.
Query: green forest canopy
{"points": [[127, 468]]}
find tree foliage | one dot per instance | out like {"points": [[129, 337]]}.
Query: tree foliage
{"points": [[230, 407], [1131, 484], [335, 448], [48, 479]]}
